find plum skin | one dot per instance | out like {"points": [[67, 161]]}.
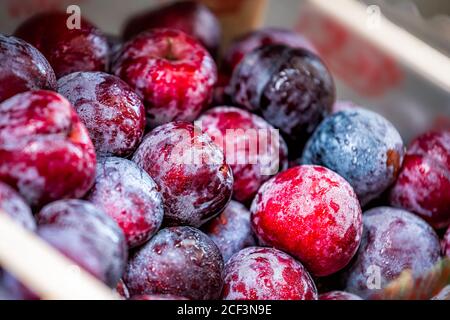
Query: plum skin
{"points": [[12, 204], [315, 199], [289, 87], [24, 68], [338, 295], [446, 244], [423, 185], [231, 231], [249, 42], [258, 273], [129, 196], [113, 114], [82, 233], [190, 17], [361, 146], [180, 261], [67, 50], [86, 235], [51, 160], [122, 290], [262, 37], [393, 240], [248, 177], [172, 73], [190, 170]]}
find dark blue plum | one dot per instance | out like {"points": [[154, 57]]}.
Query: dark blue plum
{"points": [[361, 146], [290, 87]]}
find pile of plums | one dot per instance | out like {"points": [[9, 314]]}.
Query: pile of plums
{"points": [[119, 155]]}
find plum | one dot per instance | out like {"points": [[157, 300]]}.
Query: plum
{"points": [[394, 240], [423, 185], [266, 274], [67, 49], [180, 261], [190, 17], [253, 148], [45, 151], [130, 196], [231, 231], [170, 71], [190, 170], [22, 68], [113, 114], [361, 146], [311, 213]]}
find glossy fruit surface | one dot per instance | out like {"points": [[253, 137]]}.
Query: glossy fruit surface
{"points": [[423, 186], [338, 295], [113, 114], [190, 17], [130, 196], [311, 213], [231, 231], [291, 88], [45, 151], [361, 146], [254, 149], [266, 274], [190, 170], [12, 204], [67, 47], [86, 235], [446, 244], [22, 68], [394, 240], [179, 261], [170, 71], [263, 37]]}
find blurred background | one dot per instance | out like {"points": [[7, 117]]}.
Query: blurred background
{"points": [[365, 73]]}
